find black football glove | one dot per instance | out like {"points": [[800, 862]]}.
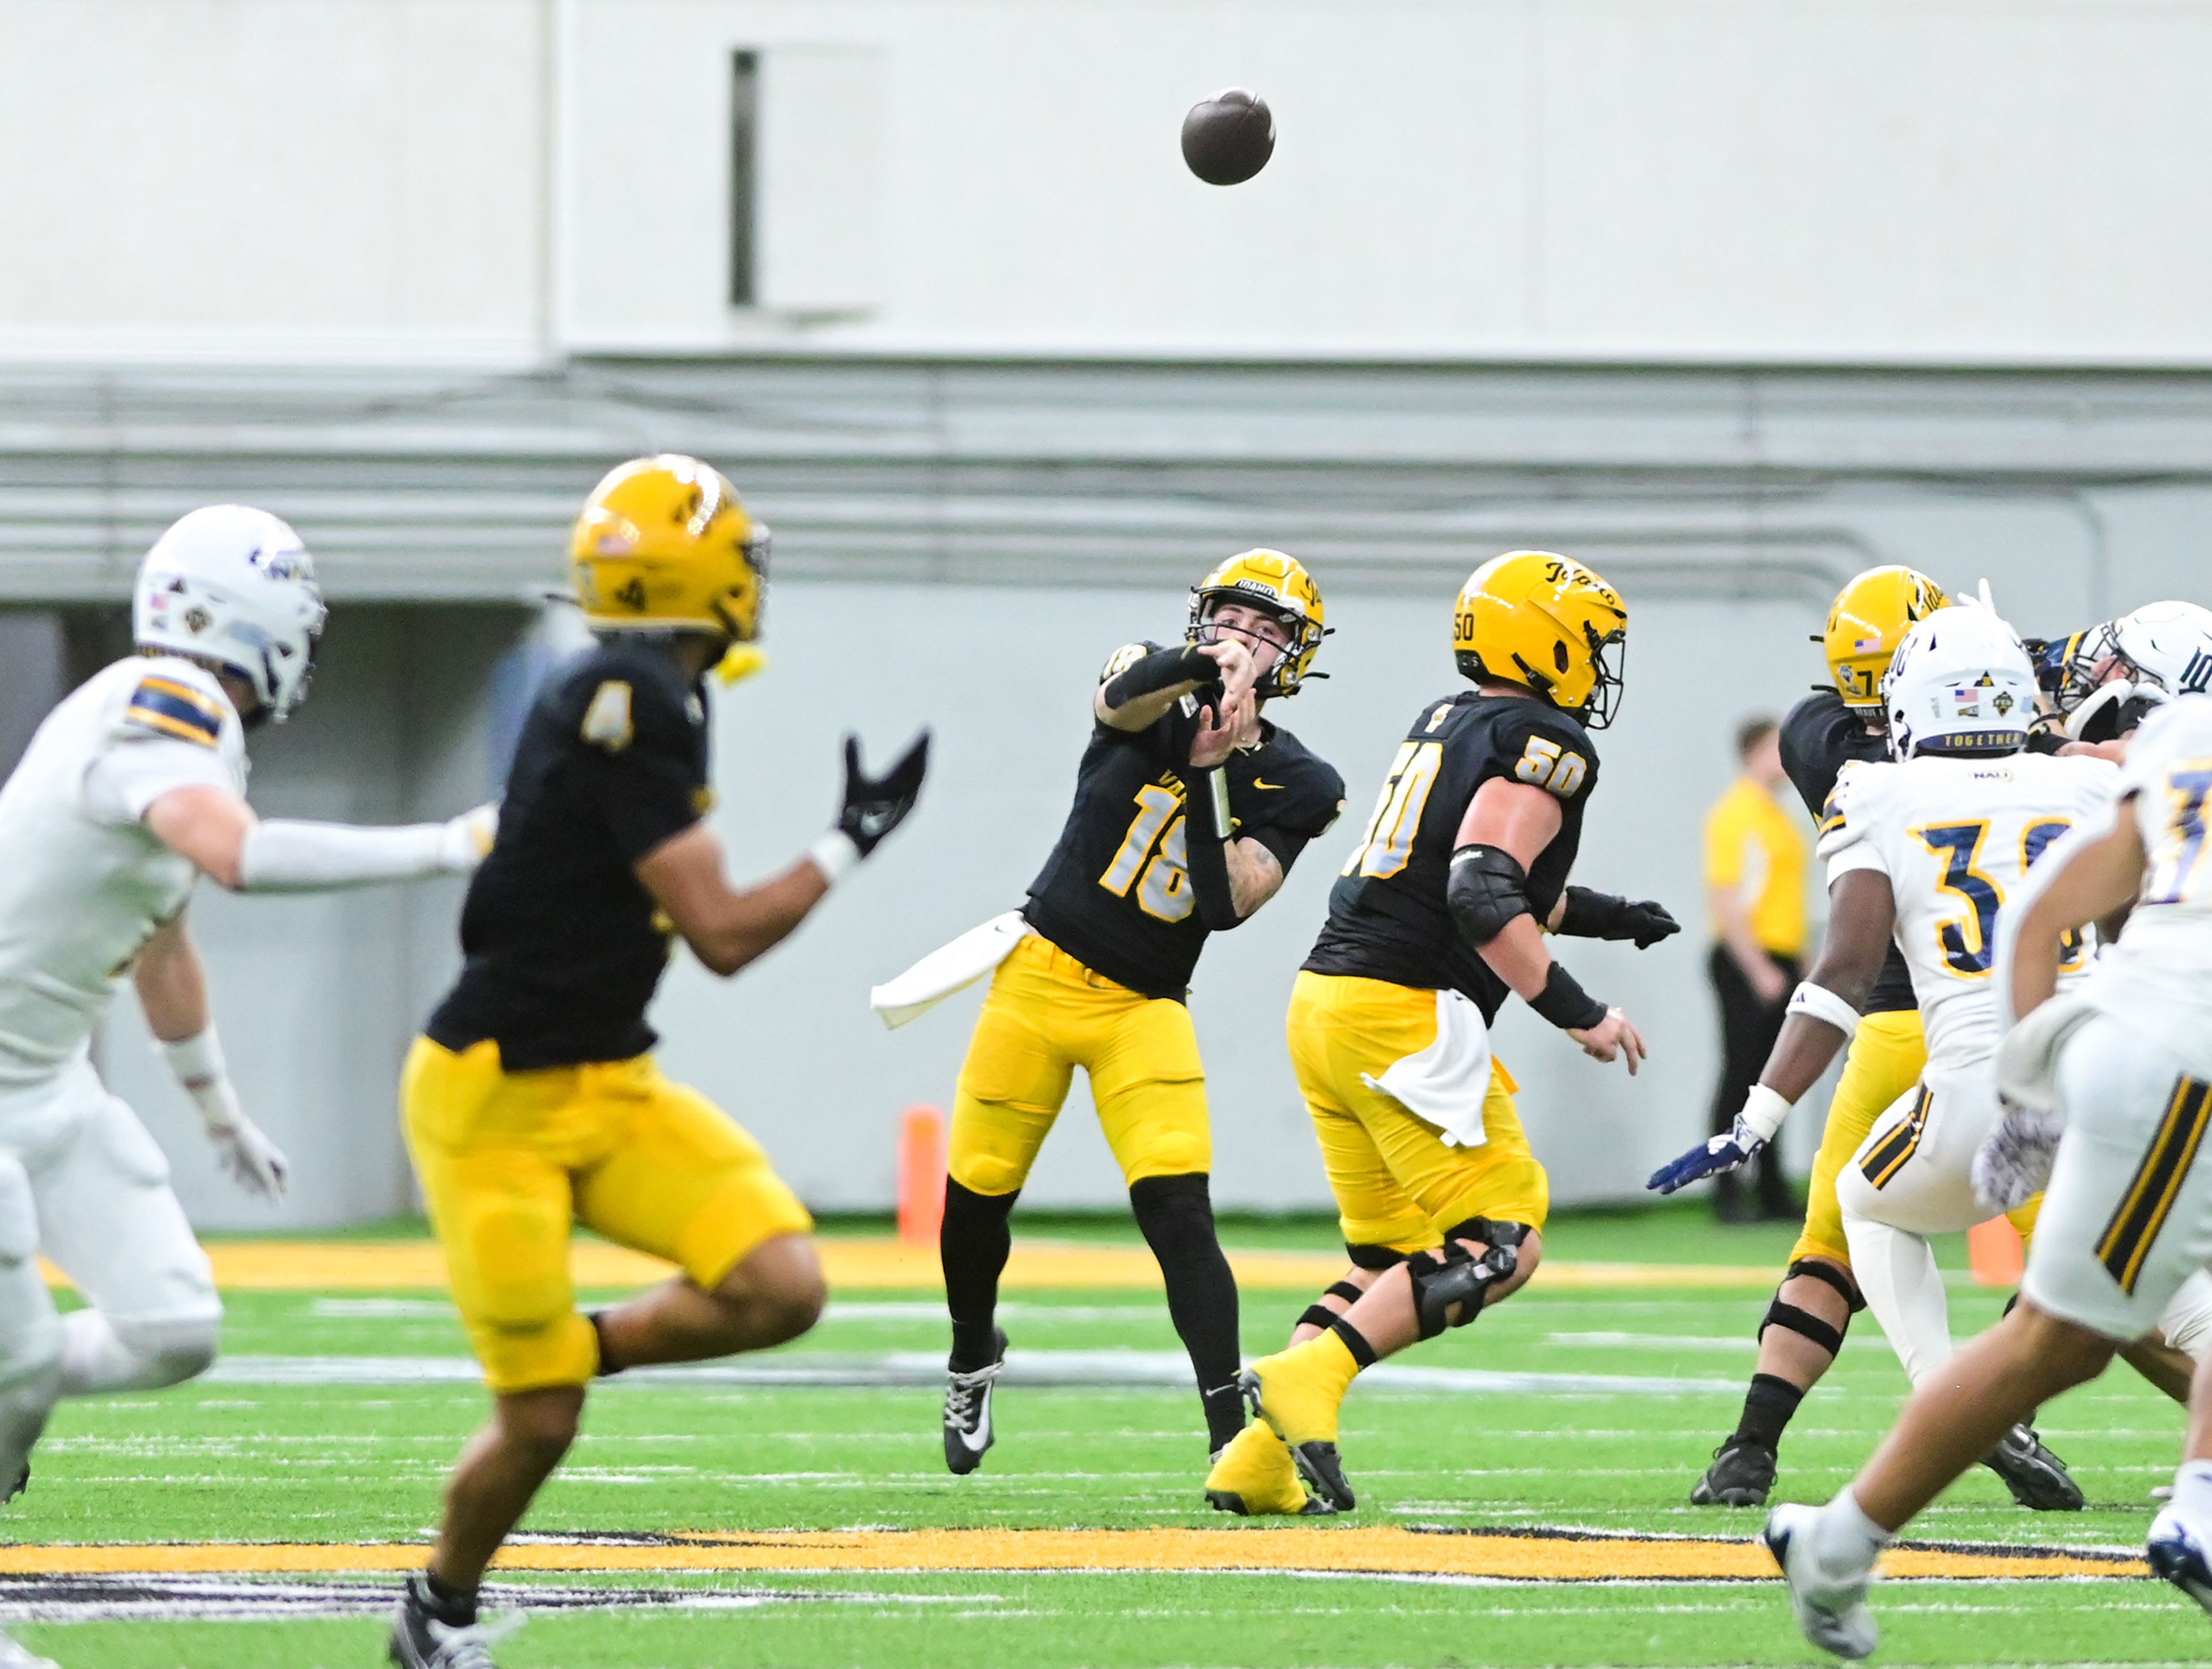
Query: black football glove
{"points": [[876, 805], [1602, 915]]}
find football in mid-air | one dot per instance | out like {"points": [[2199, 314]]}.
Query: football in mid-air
{"points": [[1229, 137]]}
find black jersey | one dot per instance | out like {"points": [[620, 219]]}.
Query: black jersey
{"points": [[1817, 738], [1114, 894], [1388, 916], [563, 946]]}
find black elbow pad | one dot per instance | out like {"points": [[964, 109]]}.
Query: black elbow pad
{"points": [[1488, 887]]}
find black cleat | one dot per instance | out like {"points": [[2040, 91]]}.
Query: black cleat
{"points": [[420, 1640], [968, 1430], [2037, 1478], [22, 1482], [1741, 1475]]}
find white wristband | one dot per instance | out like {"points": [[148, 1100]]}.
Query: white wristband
{"points": [[833, 854], [1819, 1002], [290, 856], [198, 1063], [1764, 1110]]}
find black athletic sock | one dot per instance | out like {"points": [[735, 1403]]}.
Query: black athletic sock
{"points": [[972, 1246], [1767, 1407], [455, 1609], [1176, 1216]]}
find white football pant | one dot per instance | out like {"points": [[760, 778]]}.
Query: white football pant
{"points": [[81, 1181]]}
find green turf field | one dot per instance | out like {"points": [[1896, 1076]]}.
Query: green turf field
{"points": [[242, 1459]]}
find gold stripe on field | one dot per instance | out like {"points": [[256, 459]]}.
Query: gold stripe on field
{"points": [[1548, 1557], [852, 1260]]}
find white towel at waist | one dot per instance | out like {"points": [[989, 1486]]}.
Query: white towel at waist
{"points": [[1446, 1083], [948, 968]]}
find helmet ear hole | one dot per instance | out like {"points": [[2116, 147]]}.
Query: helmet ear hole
{"points": [[1559, 656]]}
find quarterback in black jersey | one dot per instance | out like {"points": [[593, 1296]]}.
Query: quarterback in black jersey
{"points": [[532, 1102], [1189, 810], [1435, 919]]}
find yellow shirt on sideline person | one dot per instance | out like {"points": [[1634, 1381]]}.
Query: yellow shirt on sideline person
{"points": [[1755, 849]]}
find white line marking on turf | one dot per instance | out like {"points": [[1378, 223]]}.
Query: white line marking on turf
{"points": [[1648, 1341], [1127, 1369]]}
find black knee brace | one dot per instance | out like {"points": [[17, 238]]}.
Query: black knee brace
{"points": [[1828, 1274], [1803, 1322], [1321, 1315], [1453, 1277]]}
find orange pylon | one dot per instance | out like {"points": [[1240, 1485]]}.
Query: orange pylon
{"points": [[1994, 1252], [921, 1175]]}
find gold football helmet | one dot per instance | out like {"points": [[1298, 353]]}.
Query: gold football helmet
{"points": [[1280, 584], [1868, 619], [664, 544], [1534, 618]]}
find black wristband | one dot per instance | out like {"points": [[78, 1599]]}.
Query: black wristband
{"points": [[1164, 668], [1565, 1003]]}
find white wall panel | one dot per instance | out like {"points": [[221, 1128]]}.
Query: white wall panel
{"points": [[272, 177]]}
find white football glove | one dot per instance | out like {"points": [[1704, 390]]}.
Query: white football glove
{"points": [[2012, 1164], [467, 839], [251, 1160], [255, 1162]]}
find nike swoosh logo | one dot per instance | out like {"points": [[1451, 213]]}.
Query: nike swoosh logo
{"points": [[979, 1439], [1256, 783]]}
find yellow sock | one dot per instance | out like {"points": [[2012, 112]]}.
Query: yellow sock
{"points": [[1333, 1362]]}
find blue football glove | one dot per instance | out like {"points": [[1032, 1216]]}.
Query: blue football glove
{"points": [[1722, 1153]]}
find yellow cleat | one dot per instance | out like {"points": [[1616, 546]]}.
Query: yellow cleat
{"points": [[1254, 1477], [1297, 1392]]}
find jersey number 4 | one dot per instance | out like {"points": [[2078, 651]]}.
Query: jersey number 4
{"points": [[1152, 856], [1969, 943]]}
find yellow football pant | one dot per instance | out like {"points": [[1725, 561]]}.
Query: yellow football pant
{"points": [[1046, 1015], [1888, 1055], [1396, 1181], [510, 1161]]}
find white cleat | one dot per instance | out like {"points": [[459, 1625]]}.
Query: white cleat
{"points": [[2177, 1553], [13, 1656], [1834, 1615]]}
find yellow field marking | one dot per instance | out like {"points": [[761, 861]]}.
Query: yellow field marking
{"points": [[287, 1265], [1554, 1557]]}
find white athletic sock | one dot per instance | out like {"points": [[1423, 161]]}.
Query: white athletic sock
{"points": [[1896, 1270], [1845, 1541], [2192, 1492]]}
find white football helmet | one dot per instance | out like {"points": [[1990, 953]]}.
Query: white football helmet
{"points": [[1960, 683], [2139, 661], [234, 585]]}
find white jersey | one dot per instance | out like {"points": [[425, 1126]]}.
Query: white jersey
{"points": [[2158, 976], [83, 882], [1955, 837]]}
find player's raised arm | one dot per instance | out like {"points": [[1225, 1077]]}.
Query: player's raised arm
{"points": [[226, 843], [1140, 683], [727, 926], [1506, 826]]}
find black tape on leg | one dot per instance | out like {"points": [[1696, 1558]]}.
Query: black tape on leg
{"points": [[1455, 1278], [1829, 1275], [1318, 1315], [1346, 1290], [1803, 1323], [1376, 1258]]}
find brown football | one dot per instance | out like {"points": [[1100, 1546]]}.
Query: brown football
{"points": [[1228, 138]]}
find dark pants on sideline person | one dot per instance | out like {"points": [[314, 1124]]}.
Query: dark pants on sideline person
{"points": [[1748, 1028]]}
